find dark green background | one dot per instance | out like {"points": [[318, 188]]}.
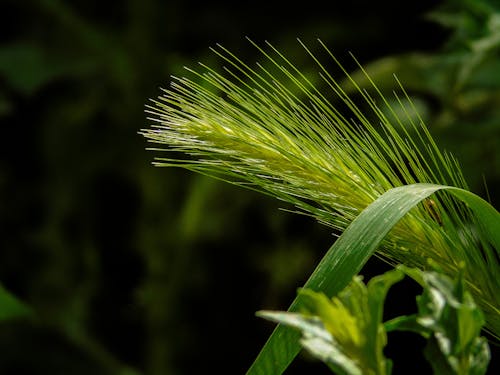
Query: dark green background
{"points": [[160, 270]]}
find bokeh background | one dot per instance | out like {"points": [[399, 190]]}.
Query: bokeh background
{"points": [[133, 269]]}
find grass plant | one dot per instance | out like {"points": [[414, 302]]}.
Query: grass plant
{"points": [[302, 139]]}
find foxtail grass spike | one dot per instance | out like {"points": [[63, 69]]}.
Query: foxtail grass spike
{"points": [[301, 138]]}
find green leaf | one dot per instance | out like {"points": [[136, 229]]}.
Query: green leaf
{"points": [[355, 337], [316, 339], [11, 307], [448, 313], [351, 251]]}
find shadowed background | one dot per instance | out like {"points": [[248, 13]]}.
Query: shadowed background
{"points": [[135, 269]]}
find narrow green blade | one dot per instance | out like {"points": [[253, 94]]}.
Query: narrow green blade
{"points": [[352, 250]]}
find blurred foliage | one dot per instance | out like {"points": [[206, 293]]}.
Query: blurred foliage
{"points": [[11, 307], [123, 263]]}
